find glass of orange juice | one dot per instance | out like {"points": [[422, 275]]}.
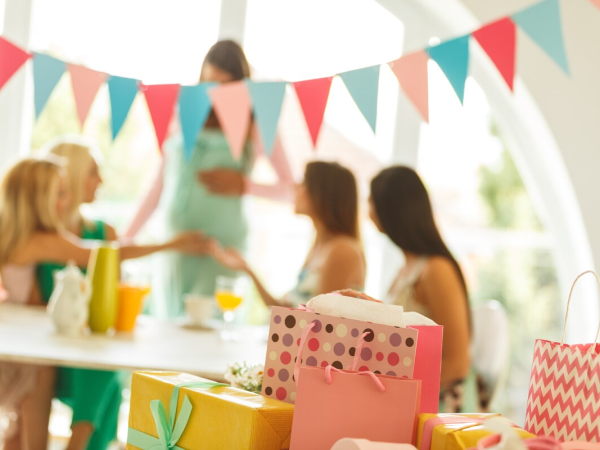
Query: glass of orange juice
{"points": [[229, 292]]}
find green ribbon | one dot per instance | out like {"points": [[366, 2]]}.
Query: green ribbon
{"points": [[169, 430]]}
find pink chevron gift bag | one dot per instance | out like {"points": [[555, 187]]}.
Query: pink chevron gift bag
{"points": [[564, 391]]}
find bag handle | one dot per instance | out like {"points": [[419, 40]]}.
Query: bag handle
{"points": [[329, 378], [305, 332], [562, 341]]}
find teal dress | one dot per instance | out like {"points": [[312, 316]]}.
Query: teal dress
{"points": [[187, 205], [94, 395]]}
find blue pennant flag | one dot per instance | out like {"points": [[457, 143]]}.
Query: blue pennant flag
{"points": [[363, 85], [453, 58], [543, 24], [122, 92], [47, 71], [194, 108], [267, 99]]}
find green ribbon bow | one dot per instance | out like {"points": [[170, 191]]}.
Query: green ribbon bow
{"points": [[169, 430]]}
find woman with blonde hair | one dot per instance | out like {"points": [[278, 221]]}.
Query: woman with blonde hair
{"points": [[34, 196]]}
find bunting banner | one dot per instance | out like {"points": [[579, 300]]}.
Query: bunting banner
{"points": [[234, 103], [596, 3], [86, 83], [363, 85], [412, 73], [161, 99], [12, 58], [47, 72], [313, 95], [194, 108], [498, 40], [543, 24], [453, 58], [122, 93], [267, 99]]}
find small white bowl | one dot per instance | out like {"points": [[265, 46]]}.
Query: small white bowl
{"points": [[198, 308]]}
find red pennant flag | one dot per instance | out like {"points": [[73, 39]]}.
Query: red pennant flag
{"points": [[85, 83], [313, 95], [11, 60], [233, 107], [596, 2], [411, 71], [498, 39], [161, 100]]}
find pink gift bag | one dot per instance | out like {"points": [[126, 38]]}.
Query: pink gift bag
{"points": [[332, 404], [428, 365], [336, 341]]}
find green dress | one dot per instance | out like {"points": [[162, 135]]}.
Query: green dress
{"points": [[187, 205], [94, 395]]}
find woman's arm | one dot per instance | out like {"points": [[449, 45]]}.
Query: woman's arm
{"points": [[148, 205], [231, 259], [440, 289], [343, 268]]}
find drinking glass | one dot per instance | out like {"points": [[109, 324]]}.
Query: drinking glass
{"points": [[229, 292]]}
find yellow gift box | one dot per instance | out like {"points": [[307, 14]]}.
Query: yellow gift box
{"points": [[209, 415], [454, 431]]}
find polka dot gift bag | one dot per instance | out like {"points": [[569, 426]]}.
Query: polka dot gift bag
{"points": [[320, 340]]}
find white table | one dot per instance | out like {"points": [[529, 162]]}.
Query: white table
{"points": [[27, 335]]}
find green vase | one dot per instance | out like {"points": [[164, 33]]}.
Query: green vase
{"points": [[103, 272]]}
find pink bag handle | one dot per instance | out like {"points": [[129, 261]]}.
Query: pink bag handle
{"points": [[359, 346], [562, 341], [329, 378], [305, 332], [541, 443]]}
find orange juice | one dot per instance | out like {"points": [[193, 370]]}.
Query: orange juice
{"points": [[228, 301]]}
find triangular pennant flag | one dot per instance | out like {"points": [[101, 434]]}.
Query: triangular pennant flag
{"points": [[596, 3], [411, 71], [231, 102], [122, 92], [453, 58], [267, 99], [313, 95], [161, 100], [363, 85], [543, 24], [47, 71], [194, 108], [12, 58], [85, 83], [498, 39]]}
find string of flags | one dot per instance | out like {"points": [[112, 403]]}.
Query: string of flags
{"points": [[234, 103]]}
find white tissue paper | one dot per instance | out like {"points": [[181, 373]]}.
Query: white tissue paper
{"points": [[510, 440], [354, 308]]}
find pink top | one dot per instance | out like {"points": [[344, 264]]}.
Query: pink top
{"points": [[282, 190], [18, 282]]}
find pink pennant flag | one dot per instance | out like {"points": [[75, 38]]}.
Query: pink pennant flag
{"points": [[411, 71], [596, 3], [85, 83], [161, 100], [498, 39], [313, 95], [232, 105], [11, 60]]}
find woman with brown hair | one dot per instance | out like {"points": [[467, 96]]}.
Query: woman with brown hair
{"points": [[328, 196], [205, 192], [431, 281]]}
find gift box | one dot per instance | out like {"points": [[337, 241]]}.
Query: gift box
{"points": [[337, 341], [455, 431], [181, 411]]}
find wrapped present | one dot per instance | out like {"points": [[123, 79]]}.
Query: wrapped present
{"points": [[203, 414], [455, 431], [337, 341]]}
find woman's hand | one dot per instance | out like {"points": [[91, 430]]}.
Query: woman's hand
{"points": [[193, 243], [355, 294], [222, 181], [230, 258]]}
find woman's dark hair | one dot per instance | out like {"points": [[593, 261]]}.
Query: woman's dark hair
{"points": [[334, 196], [229, 57], [404, 211]]}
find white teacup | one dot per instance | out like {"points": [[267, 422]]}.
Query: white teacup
{"points": [[199, 308]]}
